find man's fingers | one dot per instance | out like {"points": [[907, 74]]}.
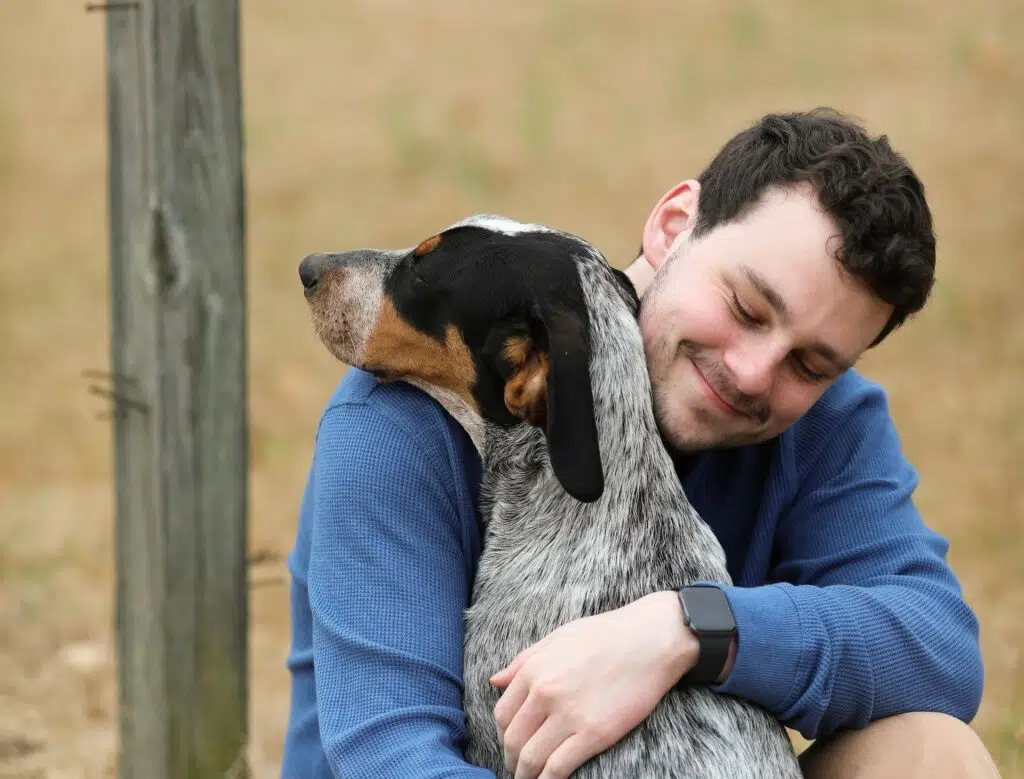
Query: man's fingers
{"points": [[523, 728], [509, 704], [539, 748], [567, 757]]}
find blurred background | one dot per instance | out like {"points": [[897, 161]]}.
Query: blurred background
{"points": [[376, 122]]}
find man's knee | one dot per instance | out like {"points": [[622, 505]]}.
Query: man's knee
{"points": [[919, 744]]}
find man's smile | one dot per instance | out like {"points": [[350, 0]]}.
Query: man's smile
{"points": [[712, 394]]}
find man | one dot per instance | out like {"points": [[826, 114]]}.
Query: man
{"points": [[801, 245]]}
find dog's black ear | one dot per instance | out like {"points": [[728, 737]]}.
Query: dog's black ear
{"points": [[549, 386], [571, 426]]}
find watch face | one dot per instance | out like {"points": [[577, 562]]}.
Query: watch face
{"points": [[707, 610]]}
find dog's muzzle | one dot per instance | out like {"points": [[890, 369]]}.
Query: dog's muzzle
{"points": [[376, 262]]}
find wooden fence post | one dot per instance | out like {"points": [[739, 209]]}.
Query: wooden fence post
{"points": [[178, 351]]}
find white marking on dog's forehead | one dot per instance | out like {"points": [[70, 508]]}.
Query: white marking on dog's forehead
{"points": [[501, 224]]}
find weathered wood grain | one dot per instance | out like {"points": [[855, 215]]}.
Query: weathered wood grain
{"points": [[178, 309]]}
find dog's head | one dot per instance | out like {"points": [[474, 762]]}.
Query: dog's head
{"points": [[489, 316]]}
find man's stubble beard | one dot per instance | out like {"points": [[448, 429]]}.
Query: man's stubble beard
{"points": [[697, 433], [661, 356], [660, 359]]}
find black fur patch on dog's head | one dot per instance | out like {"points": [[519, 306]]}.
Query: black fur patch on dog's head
{"points": [[516, 302]]}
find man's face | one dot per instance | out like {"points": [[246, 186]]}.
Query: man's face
{"points": [[746, 327]]}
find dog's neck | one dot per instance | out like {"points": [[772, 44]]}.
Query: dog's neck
{"points": [[628, 434], [467, 416]]}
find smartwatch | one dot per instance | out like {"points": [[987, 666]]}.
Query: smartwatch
{"points": [[707, 613]]}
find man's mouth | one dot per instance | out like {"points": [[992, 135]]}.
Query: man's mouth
{"points": [[721, 403]]}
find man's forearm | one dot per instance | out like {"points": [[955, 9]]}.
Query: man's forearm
{"points": [[823, 658]]}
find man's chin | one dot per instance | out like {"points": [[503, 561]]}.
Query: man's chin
{"points": [[689, 436], [685, 434]]}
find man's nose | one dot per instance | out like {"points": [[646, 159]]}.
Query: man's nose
{"points": [[753, 367], [311, 269]]}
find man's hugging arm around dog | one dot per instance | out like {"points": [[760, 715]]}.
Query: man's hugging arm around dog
{"points": [[856, 615], [382, 570]]}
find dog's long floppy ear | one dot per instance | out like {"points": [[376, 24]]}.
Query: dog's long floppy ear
{"points": [[549, 386]]}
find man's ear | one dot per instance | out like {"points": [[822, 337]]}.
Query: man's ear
{"points": [[673, 216], [548, 384]]}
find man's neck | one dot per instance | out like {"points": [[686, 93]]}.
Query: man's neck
{"points": [[641, 274]]}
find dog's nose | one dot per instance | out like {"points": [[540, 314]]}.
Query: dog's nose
{"points": [[310, 270]]}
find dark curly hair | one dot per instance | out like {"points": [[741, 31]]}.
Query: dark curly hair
{"points": [[870, 191]]}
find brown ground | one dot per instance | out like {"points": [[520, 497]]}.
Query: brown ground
{"points": [[376, 122]]}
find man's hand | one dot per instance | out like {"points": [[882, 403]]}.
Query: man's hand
{"points": [[586, 685]]}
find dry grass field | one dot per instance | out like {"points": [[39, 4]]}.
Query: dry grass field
{"points": [[377, 121]]}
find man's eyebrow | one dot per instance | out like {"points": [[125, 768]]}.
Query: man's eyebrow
{"points": [[769, 293], [760, 283]]}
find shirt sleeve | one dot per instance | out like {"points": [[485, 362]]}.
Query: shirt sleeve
{"points": [[864, 619], [388, 581]]}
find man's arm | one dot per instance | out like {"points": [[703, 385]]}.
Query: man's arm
{"points": [[388, 579], [867, 619], [870, 623]]}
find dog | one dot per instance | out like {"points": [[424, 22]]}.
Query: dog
{"points": [[529, 338]]}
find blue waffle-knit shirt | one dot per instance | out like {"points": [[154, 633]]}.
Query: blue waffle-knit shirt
{"points": [[845, 606]]}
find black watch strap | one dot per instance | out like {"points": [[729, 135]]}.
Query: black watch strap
{"points": [[714, 651], [708, 615]]}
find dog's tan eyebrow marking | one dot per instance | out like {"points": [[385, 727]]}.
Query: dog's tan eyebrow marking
{"points": [[517, 349], [427, 246]]}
